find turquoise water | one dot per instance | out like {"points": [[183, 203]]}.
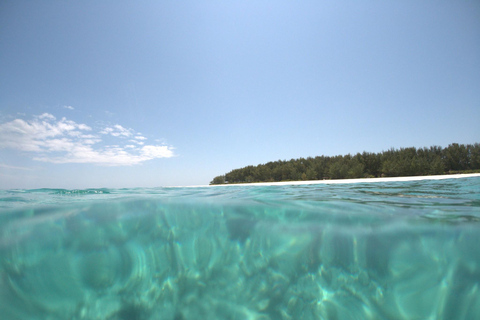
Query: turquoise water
{"points": [[396, 250]]}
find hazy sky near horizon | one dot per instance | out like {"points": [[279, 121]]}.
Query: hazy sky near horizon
{"points": [[161, 93]]}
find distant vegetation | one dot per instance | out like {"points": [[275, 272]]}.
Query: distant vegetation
{"points": [[392, 163]]}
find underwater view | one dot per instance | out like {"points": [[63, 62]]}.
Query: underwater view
{"points": [[385, 250]]}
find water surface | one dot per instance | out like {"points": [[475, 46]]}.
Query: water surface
{"points": [[392, 250]]}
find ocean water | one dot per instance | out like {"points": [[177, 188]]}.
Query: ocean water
{"points": [[386, 250]]}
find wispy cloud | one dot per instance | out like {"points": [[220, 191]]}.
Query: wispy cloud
{"points": [[65, 141], [138, 139], [6, 166], [117, 131], [69, 107]]}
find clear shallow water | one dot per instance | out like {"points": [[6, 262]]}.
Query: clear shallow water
{"points": [[396, 250]]}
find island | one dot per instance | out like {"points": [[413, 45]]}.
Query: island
{"points": [[403, 162]]}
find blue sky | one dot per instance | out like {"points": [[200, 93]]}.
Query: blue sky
{"points": [[161, 93]]}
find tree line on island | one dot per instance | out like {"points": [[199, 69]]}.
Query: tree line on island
{"points": [[456, 158]]}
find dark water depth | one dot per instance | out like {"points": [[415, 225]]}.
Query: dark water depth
{"points": [[396, 250]]}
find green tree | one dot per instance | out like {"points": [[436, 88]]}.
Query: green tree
{"points": [[390, 163], [474, 156], [311, 174], [456, 157], [338, 169], [355, 169], [218, 180], [436, 166]]}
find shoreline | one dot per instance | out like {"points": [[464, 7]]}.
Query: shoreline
{"points": [[340, 181]]}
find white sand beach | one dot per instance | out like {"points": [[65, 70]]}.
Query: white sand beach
{"points": [[363, 180]]}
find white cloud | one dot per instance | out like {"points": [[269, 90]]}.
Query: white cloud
{"points": [[106, 131], [65, 141], [46, 116], [121, 131], [157, 152], [137, 142], [84, 127], [6, 166], [35, 135], [69, 107], [117, 131]]}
